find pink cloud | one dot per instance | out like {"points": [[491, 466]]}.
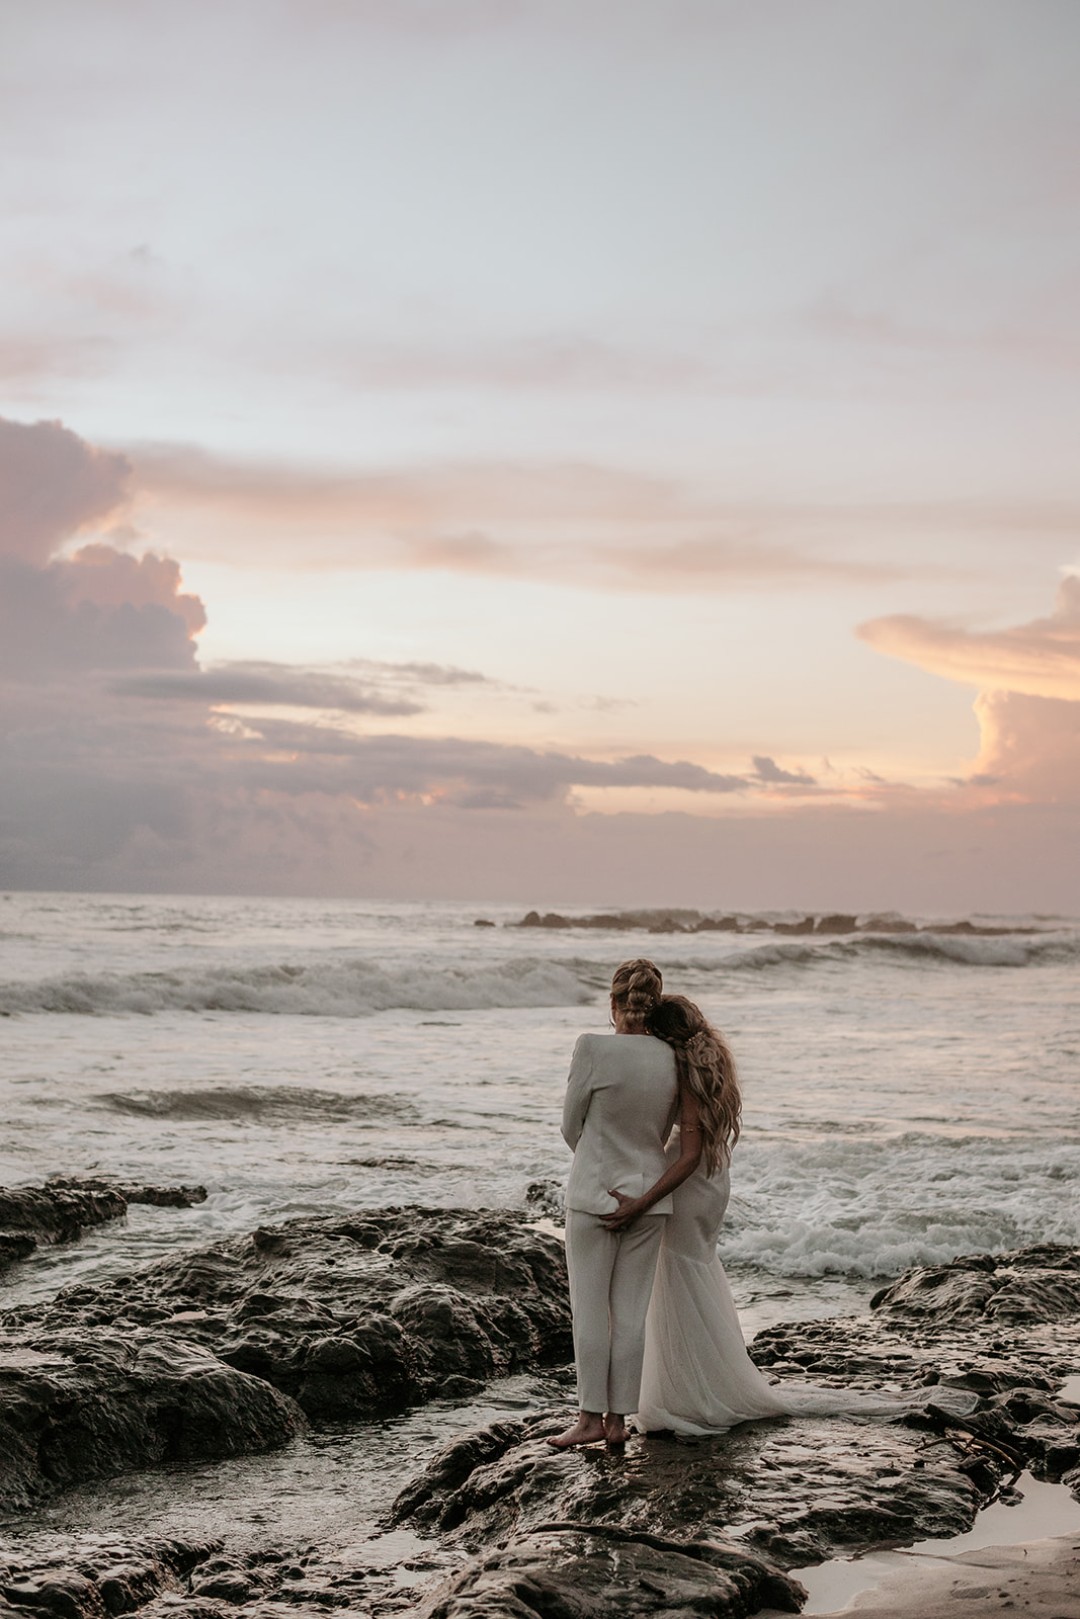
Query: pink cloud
{"points": [[1039, 659], [100, 608], [599, 526], [1030, 748], [105, 577]]}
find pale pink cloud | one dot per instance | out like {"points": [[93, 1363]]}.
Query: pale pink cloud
{"points": [[598, 526], [1030, 748], [1039, 659], [108, 578]]}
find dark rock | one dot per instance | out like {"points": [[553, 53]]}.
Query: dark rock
{"points": [[796, 1493], [33, 1216], [1037, 1284], [835, 923], [482, 922], [574, 1572], [674, 921], [806, 925], [99, 1578], [62, 1209], [165, 1197], [86, 1404], [350, 1317]]}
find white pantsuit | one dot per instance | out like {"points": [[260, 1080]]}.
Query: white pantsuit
{"points": [[621, 1099]]}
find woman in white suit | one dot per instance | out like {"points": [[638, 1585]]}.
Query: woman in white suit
{"points": [[622, 1099]]}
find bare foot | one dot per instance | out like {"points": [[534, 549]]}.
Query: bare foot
{"points": [[615, 1430], [587, 1430]]}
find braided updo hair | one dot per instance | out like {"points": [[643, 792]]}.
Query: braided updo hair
{"points": [[706, 1068], [636, 988]]}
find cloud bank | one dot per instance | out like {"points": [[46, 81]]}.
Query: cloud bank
{"points": [[126, 763]]}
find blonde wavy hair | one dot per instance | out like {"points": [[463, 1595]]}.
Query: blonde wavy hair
{"points": [[706, 1068]]}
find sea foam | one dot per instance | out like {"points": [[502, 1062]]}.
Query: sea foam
{"points": [[874, 1208]]}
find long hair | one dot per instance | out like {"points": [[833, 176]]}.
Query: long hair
{"points": [[706, 1067]]}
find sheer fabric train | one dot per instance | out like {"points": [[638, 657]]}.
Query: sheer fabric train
{"points": [[698, 1378]]}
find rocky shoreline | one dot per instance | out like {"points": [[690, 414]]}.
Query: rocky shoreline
{"points": [[342, 1324]]}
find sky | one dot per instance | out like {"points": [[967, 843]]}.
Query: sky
{"points": [[620, 452]]}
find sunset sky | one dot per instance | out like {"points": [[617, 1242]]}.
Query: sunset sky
{"points": [[617, 452]]}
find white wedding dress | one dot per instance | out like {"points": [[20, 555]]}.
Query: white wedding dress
{"points": [[697, 1377]]}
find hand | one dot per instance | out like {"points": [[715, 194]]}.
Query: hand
{"points": [[629, 1208]]}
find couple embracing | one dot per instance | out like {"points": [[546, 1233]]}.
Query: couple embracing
{"points": [[651, 1115]]}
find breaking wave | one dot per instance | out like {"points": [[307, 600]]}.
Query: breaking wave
{"points": [[873, 1209], [349, 987], [1005, 950]]}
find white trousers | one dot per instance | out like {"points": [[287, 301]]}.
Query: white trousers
{"points": [[611, 1277]]}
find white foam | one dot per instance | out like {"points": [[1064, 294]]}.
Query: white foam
{"points": [[874, 1208]]}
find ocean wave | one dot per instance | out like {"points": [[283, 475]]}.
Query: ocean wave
{"points": [[1004, 950], [343, 987], [264, 1104]]}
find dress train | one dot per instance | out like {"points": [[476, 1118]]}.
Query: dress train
{"points": [[698, 1378]]}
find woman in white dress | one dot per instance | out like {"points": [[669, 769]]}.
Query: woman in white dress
{"points": [[697, 1377]]}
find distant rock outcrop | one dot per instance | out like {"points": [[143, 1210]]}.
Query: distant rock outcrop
{"points": [[832, 924]]}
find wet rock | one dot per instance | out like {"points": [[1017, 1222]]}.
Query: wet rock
{"points": [[62, 1209], [34, 1216], [1037, 1284], [575, 1573], [835, 923], [794, 1492], [96, 1578], [90, 1577], [350, 1317], [78, 1405], [645, 921]]}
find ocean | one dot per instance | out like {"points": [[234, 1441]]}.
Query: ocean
{"points": [[909, 1095]]}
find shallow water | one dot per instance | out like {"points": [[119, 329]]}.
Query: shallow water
{"points": [[1042, 1512], [332, 1485]]}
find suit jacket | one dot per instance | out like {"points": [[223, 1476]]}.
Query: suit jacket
{"points": [[621, 1101]]}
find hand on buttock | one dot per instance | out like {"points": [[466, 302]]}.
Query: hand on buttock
{"points": [[629, 1208]]}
